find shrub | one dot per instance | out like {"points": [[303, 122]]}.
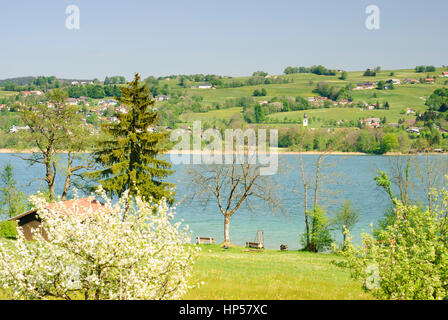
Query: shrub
{"points": [[411, 261], [319, 237], [8, 229]]}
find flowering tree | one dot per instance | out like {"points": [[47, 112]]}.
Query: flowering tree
{"points": [[411, 260], [101, 254]]}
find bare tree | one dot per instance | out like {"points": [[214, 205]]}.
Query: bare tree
{"points": [[231, 186], [311, 184], [429, 173], [54, 130], [311, 181], [432, 174], [401, 167]]}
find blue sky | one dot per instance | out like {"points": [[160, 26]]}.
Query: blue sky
{"points": [[222, 37]]}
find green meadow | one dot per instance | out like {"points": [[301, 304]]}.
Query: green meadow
{"points": [[237, 273], [4, 94], [402, 97]]}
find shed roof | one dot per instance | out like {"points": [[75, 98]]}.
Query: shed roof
{"points": [[84, 204]]}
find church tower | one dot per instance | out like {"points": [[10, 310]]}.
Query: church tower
{"points": [[305, 120]]}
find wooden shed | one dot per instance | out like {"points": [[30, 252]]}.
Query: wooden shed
{"points": [[30, 220]]}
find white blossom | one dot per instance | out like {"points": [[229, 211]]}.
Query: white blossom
{"points": [[101, 254]]}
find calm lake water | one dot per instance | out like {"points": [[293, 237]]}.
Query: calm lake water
{"points": [[352, 180]]}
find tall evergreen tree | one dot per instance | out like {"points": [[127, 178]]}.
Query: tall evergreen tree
{"points": [[129, 152], [12, 201], [259, 114]]}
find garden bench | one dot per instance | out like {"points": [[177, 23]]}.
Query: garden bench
{"points": [[256, 245], [208, 240]]}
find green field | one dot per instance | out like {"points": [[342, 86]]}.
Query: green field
{"points": [[403, 96], [4, 94], [237, 273], [213, 115]]}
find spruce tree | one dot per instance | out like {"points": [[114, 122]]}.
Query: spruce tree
{"points": [[129, 151]]}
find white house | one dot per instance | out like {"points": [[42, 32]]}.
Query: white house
{"points": [[15, 129], [372, 122], [414, 130], [36, 92], [72, 101], [162, 97], [205, 86], [394, 81]]}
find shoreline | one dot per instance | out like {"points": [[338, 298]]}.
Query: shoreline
{"points": [[286, 152]]}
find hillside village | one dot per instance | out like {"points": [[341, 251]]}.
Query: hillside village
{"points": [[394, 102]]}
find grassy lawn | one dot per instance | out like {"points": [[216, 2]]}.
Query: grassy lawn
{"points": [[238, 274], [214, 115]]}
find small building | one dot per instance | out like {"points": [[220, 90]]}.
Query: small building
{"points": [[15, 129], [413, 130], [34, 92], [111, 102], [30, 220], [441, 130], [72, 101], [121, 109], [344, 102], [411, 81], [365, 86], [372, 122], [410, 111], [162, 97], [205, 86], [445, 74], [305, 120], [429, 80], [394, 81]]}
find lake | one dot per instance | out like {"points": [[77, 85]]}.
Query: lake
{"points": [[352, 179]]}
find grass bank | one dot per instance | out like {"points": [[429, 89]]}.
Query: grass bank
{"points": [[237, 273]]}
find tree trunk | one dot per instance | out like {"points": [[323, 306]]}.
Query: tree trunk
{"points": [[68, 176], [66, 187], [226, 230], [307, 225], [344, 237], [50, 174]]}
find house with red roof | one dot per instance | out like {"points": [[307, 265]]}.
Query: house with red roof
{"points": [[30, 220]]}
